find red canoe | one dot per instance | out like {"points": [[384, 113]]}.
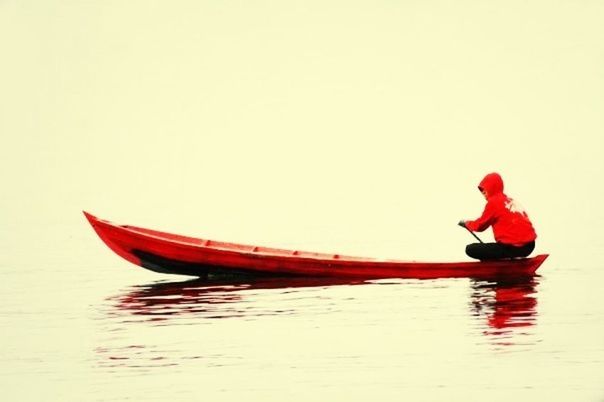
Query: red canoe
{"points": [[175, 254]]}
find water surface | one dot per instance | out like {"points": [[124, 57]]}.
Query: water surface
{"points": [[105, 330]]}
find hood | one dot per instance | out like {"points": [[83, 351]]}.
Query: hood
{"points": [[492, 183]]}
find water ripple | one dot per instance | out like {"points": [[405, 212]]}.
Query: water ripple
{"points": [[218, 300]]}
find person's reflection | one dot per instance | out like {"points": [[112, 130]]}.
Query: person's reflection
{"points": [[505, 303]]}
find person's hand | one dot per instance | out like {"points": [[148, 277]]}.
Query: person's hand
{"points": [[462, 223]]}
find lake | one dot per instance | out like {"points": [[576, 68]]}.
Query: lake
{"points": [[89, 326]]}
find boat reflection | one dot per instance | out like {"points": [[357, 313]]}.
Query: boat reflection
{"points": [[212, 298], [507, 305], [502, 304]]}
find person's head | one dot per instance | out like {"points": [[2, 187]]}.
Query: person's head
{"points": [[490, 185]]}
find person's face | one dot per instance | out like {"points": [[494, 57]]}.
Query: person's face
{"points": [[484, 193]]}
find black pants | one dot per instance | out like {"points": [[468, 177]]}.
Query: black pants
{"points": [[498, 251]]}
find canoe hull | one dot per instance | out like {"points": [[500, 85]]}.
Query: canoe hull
{"points": [[174, 254]]}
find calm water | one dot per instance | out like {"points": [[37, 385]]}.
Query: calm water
{"points": [[83, 325]]}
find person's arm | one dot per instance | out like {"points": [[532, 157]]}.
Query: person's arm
{"points": [[486, 220]]}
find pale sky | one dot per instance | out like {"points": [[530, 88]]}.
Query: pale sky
{"points": [[336, 123]]}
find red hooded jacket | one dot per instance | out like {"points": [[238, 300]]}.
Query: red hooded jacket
{"points": [[511, 224]]}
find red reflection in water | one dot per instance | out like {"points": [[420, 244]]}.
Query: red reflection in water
{"points": [[201, 296], [504, 308], [506, 304]]}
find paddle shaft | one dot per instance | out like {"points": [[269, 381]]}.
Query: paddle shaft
{"points": [[474, 234]]}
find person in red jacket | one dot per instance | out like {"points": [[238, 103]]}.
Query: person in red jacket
{"points": [[512, 228]]}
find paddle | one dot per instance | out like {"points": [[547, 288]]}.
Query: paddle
{"points": [[463, 225]]}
